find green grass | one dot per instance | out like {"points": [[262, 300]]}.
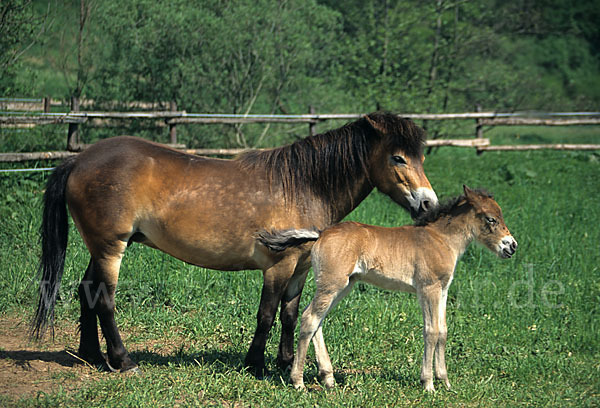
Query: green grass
{"points": [[522, 332]]}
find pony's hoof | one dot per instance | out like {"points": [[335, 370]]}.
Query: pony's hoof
{"points": [[95, 358], [132, 370], [285, 365], [110, 368], [261, 373], [129, 367]]}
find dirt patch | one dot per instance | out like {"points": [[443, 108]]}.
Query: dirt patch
{"points": [[28, 368]]}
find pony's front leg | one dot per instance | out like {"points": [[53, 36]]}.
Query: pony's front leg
{"points": [[429, 298], [440, 350]]}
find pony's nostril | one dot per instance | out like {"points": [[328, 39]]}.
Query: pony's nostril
{"points": [[514, 245], [425, 205]]}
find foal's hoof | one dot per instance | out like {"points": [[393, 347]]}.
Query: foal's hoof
{"points": [[329, 382], [299, 386]]}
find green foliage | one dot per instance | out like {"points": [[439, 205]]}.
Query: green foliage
{"points": [[280, 57], [19, 29], [241, 57]]}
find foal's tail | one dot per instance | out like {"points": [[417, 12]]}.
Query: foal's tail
{"points": [[278, 241], [54, 233]]}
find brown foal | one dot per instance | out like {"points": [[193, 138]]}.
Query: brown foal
{"points": [[419, 258]]}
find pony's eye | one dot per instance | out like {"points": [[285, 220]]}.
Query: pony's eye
{"points": [[398, 160], [490, 220]]}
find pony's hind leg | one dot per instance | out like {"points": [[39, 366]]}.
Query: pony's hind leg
{"points": [[289, 316], [106, 274], [89, 344], [275, 280]]}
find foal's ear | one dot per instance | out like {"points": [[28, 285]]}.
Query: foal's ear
{"points": [[470, 195], [377, 126]]}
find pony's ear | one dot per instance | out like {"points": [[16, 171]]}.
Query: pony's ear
{"points": [[377, 126]]}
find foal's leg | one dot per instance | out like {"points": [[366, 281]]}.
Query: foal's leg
{"points": [[89, 345], [430, 299], [310, 328], [275, 281], [440, 350], [289, 316], [106, 273], [323, 360]]}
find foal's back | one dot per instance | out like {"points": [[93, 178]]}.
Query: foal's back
{"points": [[399, 258]]}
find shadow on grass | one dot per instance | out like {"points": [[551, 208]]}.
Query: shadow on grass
{"points": [[350, 377], [219, 361], [23, 358], [225, 359]]}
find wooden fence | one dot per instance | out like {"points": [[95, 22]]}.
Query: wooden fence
{"points": [[172, 118]]}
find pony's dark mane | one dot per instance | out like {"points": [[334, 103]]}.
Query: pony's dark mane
{"points": [[329, 164], [446, 207]]}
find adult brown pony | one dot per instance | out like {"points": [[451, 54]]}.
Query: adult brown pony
{"points": [[207, 212]]}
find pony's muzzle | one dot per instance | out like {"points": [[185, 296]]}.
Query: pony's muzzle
{"points": [[422, 200]]}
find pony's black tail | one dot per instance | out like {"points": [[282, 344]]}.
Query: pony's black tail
{"points": [[54, 233], [281, 240]]}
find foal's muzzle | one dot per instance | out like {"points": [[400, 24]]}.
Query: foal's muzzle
{"points": [[508, 247]]}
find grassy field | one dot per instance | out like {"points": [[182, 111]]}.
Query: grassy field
{"points": [[522, 332]]}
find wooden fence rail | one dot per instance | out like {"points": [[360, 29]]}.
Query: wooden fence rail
{"points": [[18, 157], [172, 118]]}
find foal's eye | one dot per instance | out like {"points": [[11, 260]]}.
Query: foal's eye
{"points": [[398, 160], [490, 220]]}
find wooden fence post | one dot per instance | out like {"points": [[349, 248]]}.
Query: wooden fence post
{"points": [[311, 125], [478, 126], [73, 140], [172, 127], [46, 104]]}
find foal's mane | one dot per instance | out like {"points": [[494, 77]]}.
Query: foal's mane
{"points": [[329, 164], [446, 207]]}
